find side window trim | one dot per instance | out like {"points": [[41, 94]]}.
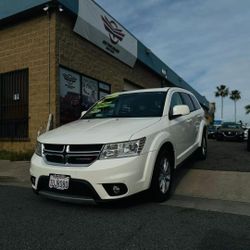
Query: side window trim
{"points": [[170, 106], [183, 99], [195, 102]]}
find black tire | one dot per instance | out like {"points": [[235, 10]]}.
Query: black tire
{"points": [[248, 140], [202, 150], [162, 176]]}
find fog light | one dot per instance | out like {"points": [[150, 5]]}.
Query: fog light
{"points": [[115, 189], [33, 180]]}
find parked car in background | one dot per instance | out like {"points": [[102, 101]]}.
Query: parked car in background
{"points": [[211, 132], [126, 143], [230, 131]]}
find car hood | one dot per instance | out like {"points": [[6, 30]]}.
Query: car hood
{"points": [[97, 131], [231, 130]]}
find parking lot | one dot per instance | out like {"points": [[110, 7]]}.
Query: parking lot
{"points": [[224, 155], [225, 175]]}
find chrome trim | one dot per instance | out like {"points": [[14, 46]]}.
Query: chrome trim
{"points": [[66, 154], [54, 151], [83, 152], [66, 165]]}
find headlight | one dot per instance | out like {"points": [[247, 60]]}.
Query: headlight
{"points": [[38, 150], [123, 149]]}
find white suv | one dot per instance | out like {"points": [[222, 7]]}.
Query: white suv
{"points": [[126, 143]]}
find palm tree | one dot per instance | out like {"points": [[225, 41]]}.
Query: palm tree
{"points": [[247, 109], [222, 91], [235, 96]]}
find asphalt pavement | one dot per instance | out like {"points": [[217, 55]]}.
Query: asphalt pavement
{"points": [[209, 209], [224, 156], [31, 222]]}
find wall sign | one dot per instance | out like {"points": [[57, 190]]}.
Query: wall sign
{"points": [[89, 92], [70, 106], [78, 93], [95, 25]]}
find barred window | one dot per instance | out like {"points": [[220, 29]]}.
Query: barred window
{"points": [[14, 104]]}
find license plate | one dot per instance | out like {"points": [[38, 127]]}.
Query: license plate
{"points": [[60, 182]]}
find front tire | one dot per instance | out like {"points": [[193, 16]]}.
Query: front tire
{"points": [[162, 177]]}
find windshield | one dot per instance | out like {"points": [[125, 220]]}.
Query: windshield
{"points": [[145, 104]]}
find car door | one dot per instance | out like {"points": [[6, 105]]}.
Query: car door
{"points": [[178, 127], [198, 115], [190, 120]]}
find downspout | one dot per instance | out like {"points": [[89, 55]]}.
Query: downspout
{"points": [[47, 9]]}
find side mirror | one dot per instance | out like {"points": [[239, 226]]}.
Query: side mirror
{"points": [[83, 113], [180, 110]]}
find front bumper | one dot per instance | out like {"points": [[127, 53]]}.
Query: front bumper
{"points": [[233, 137], [134, 172]]}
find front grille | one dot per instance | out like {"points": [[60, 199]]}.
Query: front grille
{"points": [[230, 133], [71, 154], [76, 187], [55, 158], [54, 147]]}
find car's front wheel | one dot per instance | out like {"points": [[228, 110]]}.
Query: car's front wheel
{"points": [[162, 177]]}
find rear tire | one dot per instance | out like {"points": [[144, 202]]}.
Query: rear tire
{"points": [[202, 150], [162, 176]]}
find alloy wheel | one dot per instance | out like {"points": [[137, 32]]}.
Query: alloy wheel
{"points": [[164, 176]]}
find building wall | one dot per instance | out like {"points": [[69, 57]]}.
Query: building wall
{"points": [[78, 54], [25, 45]]}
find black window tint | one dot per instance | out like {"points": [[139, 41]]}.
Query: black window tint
{"points": [[175, 100], [195, 102], [187, 101], [14, 104]]}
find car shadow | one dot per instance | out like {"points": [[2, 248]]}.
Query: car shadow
{"points": [[181, 171]]}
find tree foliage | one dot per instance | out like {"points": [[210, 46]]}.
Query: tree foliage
{"points": [[247, 109], [235, 95], [222, 91]]}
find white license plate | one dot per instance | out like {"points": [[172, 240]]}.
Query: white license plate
{"points": [[60, 182]]}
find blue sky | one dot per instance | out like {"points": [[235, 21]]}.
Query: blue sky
{"points": [[206, 42]]}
